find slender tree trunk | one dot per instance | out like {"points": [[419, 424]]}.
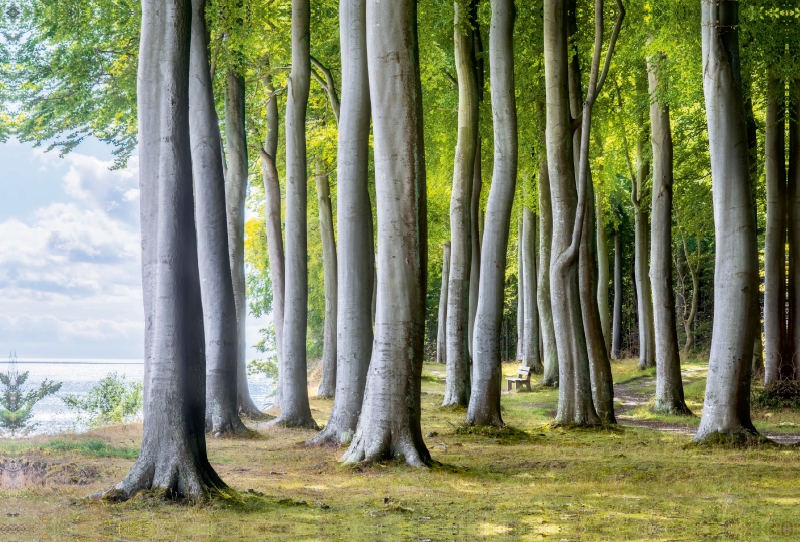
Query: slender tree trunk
{"points": [[327, 385], [549, 349], [602, 277], [235, 196], [530, 347], [295, 410], [477, 185], [792, 355], [356, 267], [520, 328], [457, 385], [390, 421], [484, 404], [173, 457], [775, 238], [669, 386], [441, 335], [616, 340], [727, 401], [219, 306], [272, 216]]}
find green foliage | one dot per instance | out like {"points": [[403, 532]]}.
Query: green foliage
{"points": [[267, 345], [784, 394], [92, 448], [16, 404], [112, 401]]}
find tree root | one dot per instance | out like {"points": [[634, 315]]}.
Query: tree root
{"points": [[380, 444], [293, 423], [737, 439], [672, 409]]}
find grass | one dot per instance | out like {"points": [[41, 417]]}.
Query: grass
{"points": [[530, 481]]}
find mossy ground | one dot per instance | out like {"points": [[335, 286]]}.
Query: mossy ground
{"points": [[531, 482]]}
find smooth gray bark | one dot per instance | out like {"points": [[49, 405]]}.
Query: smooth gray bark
{"points": [[326, 82], [602, 276], [295, 410], [775, 237], [616, 333], [792, 345], [235, 196], [669, 386], [441, 335], [484, 403], [219, 306], [549, 348], [726, 412], [475, 263], [173, 458], [457, 382], [530, 346], [520, 328], [273, 222], [327, 385], [356, 267], [390, 419]]}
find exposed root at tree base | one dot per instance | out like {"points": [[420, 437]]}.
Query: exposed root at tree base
{"points": [[331, 437], [504, 434], [743, 438], [376, 448], [293, 423], [674, 409], [614, 428]]}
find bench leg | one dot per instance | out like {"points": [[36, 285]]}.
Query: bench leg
{"points": [[509, 385]]}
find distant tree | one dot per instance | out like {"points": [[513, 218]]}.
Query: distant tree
{"points": [[111, 401]]}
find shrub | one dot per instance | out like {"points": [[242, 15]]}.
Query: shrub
{"points": [[112, 401], [782, 394], [16, 405]]}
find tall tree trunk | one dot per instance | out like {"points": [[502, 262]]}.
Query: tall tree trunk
{"points": [[457, 385], [549, 349], [356, 267], [484, 404], [520, 327], [602, 277], [272, 218], [727, 401], [390, 420], [792, 352], [173, 457], [219, 306], [477, 185], [295, 410], [530, 347], [235, 196], [647, 355], [616, 334], [327, 385], [688, 322], [669, 386], [775, 241], [441, 335]]}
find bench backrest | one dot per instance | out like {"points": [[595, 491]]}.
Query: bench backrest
{"points": [[524, 371]]}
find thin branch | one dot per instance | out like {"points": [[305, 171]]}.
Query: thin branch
{"points": [[328, 84]]}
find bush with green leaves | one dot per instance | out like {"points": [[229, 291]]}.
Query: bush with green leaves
{"points": [[16, 405], [112, 401], [269, 365]]}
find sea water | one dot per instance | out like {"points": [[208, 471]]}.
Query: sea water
{"points": [[78, 376]]}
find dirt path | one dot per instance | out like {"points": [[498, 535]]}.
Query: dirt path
{"points": [[631, 395]]}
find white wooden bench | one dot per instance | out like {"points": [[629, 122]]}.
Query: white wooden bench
{"points": [[523, 379]]}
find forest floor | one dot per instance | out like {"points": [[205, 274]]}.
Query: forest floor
{"points": [[529, 481]]}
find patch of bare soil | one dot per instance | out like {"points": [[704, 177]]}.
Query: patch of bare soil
{"points": [[20, 473]]}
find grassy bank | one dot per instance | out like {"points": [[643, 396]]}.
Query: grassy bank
{"points": [[530, 482]]}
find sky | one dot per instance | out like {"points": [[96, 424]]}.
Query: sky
{"points": [[70, 275]]}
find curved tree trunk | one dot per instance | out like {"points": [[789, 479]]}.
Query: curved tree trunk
{"points": [[173, 457], [441, 335], [727, 401], [327, 385], [484, 404], [457, 384], [669, 386], [295, 410], [219, 306], [235, 196], [616, 334], [775, 242], [549, 349], [390, 419], [356, 267], [602, 277], [272, 218], [475, 263], [530, 347]]}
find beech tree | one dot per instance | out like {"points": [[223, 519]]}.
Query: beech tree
{"points": [[441, 336], [173, 458], [484, 403], [726, 412], [327, 385], [530, 334], [219, 306], [389, 425]]}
